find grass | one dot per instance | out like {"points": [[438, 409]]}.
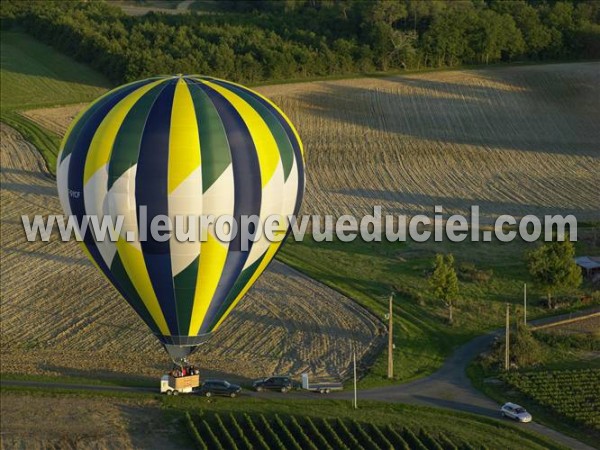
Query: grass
{"points": [[53, 392], [45, 141], [98, 381], [367, 272], [33, 75]]}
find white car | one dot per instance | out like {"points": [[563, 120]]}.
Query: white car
{"points": [[516, 412]]}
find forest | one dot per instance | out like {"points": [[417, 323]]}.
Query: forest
{"points": [[254, 41]]}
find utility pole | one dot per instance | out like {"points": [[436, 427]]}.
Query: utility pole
{"points": [[507, 339], [525, 303], [355, 396], [390, 371]]}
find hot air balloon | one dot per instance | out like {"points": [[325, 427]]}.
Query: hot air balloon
{"points": [[180, 145]]}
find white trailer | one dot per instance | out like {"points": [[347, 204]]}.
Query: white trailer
{"points": [[171, 385], [322, 387]]}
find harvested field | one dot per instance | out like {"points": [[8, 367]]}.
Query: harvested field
{"points": [[55, 119], [513, 141], [589, 325], [35, 422], [133, 8], [60, 317], [518, 140]]}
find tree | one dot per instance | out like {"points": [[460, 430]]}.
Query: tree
{"points": [[553, 267], [444, 282], [525, 349], [378, 20]]}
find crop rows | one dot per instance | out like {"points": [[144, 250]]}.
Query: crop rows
{"points": [[258, 431], [575, 394]]}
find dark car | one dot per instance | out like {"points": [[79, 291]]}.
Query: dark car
{"points": [[219, 387], [282, 384]]}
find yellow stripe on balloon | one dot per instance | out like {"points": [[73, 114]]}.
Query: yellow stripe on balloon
{"points": [[266, 146], [133, 261], [78, 116], [212, 260], [105, 135], [184, 141], [260, 269], [291, 125]]}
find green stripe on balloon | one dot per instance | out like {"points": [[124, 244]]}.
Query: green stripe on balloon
{"points": [[185, 290], [129, 136], [214, 147], [71, 138], [118, 271], [286, 152], [240, 283]]}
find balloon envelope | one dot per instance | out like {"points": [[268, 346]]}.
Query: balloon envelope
{"points": [[187, 146]]}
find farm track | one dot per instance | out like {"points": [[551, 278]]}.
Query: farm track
{"points": [[59, 316]]}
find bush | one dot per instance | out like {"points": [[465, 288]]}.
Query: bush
{"points": [[468, 272], [525, 350], [571, 341]]}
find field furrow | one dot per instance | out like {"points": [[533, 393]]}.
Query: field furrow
{"points": [[59, 316]]}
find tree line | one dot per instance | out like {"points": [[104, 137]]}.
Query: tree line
{"points": [[252, 41]]}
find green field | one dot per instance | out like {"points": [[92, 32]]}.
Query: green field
{"points": [[33, 75], [323, 424], [237, 430], [574, 394], [367, 272]]}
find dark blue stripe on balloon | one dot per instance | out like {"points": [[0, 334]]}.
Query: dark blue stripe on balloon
{"points": [[97, 108], [81, 145], [291, 137], [288, 130], [247, 196], [78, 145], [151, 191]]}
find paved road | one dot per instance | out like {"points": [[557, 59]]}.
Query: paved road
{"points": [[449, 387]]}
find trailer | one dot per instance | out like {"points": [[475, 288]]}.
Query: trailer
{"points": [[171, 385], [322, 387]]}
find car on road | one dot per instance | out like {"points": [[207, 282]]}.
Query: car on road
{"points": [[219, 387], [277, 383], [516, 412]]}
